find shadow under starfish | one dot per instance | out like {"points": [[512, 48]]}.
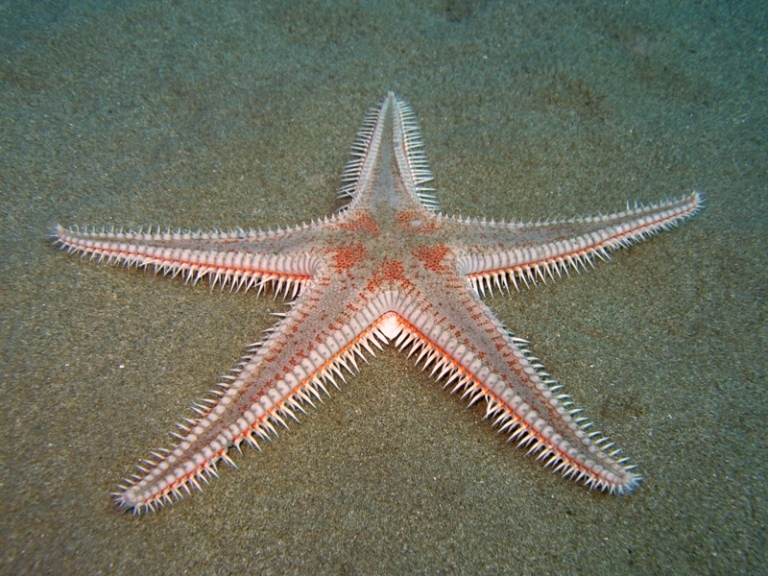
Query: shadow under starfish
{"points": [[388, 267]]}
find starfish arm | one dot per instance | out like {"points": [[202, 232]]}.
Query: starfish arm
{"points": [[494, 254], [239, 259], [389, 142], [466, 348], [321, 337]]}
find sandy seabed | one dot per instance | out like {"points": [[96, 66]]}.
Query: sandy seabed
{"points": [[182, 114]]}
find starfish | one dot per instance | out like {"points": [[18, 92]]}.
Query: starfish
{"points": [[387, 267]]}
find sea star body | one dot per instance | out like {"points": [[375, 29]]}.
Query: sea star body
{"points": [[387, 267]]}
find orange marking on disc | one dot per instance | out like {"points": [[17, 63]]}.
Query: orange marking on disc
{"points": [[347, 258], [390, 271], [363, 223], [431, 256]]}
